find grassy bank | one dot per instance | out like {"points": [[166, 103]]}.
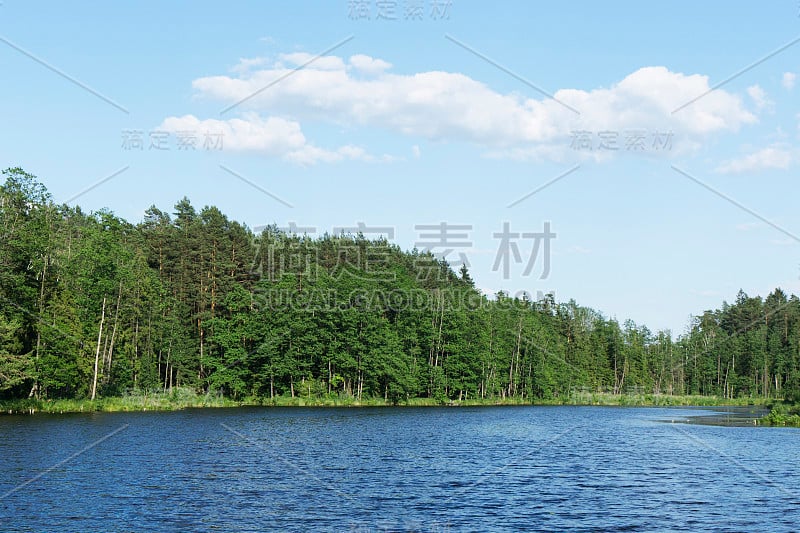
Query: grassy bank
{"points": [[169, 401], [181, 398], [658, 400]]}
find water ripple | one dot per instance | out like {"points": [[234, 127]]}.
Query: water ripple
{"points": [[497, 469]]}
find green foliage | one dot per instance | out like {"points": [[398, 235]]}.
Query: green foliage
{"points": [[782, 415], [198, 305], [15, 367]]}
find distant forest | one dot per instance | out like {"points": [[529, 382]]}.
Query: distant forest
{"points": [[92, 305]]}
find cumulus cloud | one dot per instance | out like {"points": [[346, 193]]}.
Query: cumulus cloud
{"points": [[760, 98], [246, 64], [369, 65], [441, 105], [310, 155], [788, 80], [272, 137], [297, 59], [770, 158]]}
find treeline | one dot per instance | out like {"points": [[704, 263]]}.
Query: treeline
{"points": [[91, 305]]}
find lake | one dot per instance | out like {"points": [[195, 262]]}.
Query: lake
{"points": [[396, 469]]}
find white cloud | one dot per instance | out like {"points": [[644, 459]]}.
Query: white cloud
{"points": [[788, 80], [440, 105], [246, 64], [312, 61], [272, 137], [416, 151], [772, 157], [369, 65], [310, 155], [760, 98]]}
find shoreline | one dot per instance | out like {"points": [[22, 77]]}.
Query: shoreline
{"points": [[177, 402]]}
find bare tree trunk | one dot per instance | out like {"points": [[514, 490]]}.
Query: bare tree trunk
{"points": [[167, 374], [727, 369], [35, 387], [439, 343], [200, 327], [512, 389], [113, 334], [97, 351], [135, 351]]}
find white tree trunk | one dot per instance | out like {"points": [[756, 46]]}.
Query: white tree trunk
{"points": [[97, 352]]}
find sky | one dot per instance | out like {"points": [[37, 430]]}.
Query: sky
{"points": [[638, 157]]}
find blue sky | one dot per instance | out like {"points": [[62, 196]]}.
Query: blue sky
{"points": [[451, 113]]}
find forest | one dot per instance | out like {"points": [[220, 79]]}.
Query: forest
{"points": [[94, 306]]}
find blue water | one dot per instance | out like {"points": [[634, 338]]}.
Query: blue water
{"points": [[429, 469]]}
